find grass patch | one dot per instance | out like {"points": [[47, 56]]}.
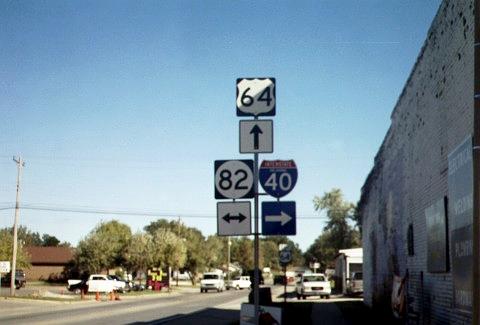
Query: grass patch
{"points": [[38, 298]]}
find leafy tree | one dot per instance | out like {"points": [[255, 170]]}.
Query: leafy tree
{"points": [[241, 252], [270, 254], [215, 252], [168, 249], [338, 233], [104, 247], [6, 250], [139, 253], [194, 242], [48, 240], [25, 236]]}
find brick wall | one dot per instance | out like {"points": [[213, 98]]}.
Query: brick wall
{"points": [[43, 272], [433, 115]]}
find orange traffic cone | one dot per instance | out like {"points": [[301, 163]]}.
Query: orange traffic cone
{"points": [[97, 296]]}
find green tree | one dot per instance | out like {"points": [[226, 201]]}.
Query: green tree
{"points": [[168, 249], [139, 253], [215, 252], [104, 247], [194, 242], [270, 254], [48, 240], [241, 252], [337, 233], [26, 236], [6, 250]]}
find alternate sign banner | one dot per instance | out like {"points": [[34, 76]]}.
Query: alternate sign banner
{"points": [[278, 177], [256, 97], [233, 179], [256, 136], [279, 218], [234, 218]]}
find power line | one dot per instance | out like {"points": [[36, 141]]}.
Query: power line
{"points": [[92, 210]]}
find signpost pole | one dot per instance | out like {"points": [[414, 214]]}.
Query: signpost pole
{"points": [[256, 278], [285, 283]]}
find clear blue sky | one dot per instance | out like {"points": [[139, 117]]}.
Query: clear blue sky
{"points": [[124, 105]]}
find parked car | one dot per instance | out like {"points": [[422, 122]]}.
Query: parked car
{"points": [[239, 282], [355, 283], [77, 286], [313, 284], [96, 283], [212, 281], [121, 285], [20, 279]]}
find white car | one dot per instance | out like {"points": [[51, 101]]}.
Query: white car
{"points": [[313, 284], [212, 281], [355, 283], [240, 282]]}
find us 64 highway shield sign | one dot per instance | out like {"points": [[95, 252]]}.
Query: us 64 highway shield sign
{"points": [[256, 97]]}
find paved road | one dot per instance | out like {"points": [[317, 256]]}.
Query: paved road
{"points": [[169, 308]]}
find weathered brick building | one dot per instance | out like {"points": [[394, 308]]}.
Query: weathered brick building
{"points": [[411, 226]]}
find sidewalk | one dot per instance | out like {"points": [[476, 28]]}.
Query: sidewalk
{"points": [[327, 313]]}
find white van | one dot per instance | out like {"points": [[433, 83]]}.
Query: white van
{"points": [[212, 281]]}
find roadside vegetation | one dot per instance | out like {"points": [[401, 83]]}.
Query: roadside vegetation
{"points": [[170, 243]]}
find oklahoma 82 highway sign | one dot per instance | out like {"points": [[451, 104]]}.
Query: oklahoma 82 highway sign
{"points": [[256, 97], [233, 179]]}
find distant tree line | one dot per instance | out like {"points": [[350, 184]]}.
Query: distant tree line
{"points": [[164, 243]]}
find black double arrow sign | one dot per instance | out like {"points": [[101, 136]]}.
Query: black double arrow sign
{"points": [[229, 217]]}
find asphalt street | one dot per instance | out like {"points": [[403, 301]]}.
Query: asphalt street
{"points": [[167, 308]]}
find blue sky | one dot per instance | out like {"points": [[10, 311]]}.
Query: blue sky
{"points": [[125, 105]]}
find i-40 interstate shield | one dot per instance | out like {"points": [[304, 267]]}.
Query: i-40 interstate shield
{"points": [[278, 177]]}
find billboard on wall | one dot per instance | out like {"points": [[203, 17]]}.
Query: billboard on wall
{"points": [[437, 249], [460, 211]]}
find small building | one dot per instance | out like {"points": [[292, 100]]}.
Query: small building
{"points": [[48, 263], [347, 261]]}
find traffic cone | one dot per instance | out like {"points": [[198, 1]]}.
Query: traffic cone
{"points": [[111, 296], [97, 296]]}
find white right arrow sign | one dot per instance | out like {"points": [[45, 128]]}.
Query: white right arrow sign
{"points": [[283, 218]]}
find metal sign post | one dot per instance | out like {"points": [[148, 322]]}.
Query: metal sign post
{"points": [[256, 277]]}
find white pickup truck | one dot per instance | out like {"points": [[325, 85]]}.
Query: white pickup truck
{"points": [[100, 283], [239, 282]]}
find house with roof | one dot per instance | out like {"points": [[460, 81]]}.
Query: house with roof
{"points": [[48, 262]]}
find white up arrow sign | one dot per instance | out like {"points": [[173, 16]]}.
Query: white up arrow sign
{"points": [[283, 218]]}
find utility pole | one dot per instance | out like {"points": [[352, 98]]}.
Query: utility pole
{"points": [[20, 164]]}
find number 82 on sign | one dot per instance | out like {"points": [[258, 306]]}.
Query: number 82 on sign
{"points": [[234, 179]]}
